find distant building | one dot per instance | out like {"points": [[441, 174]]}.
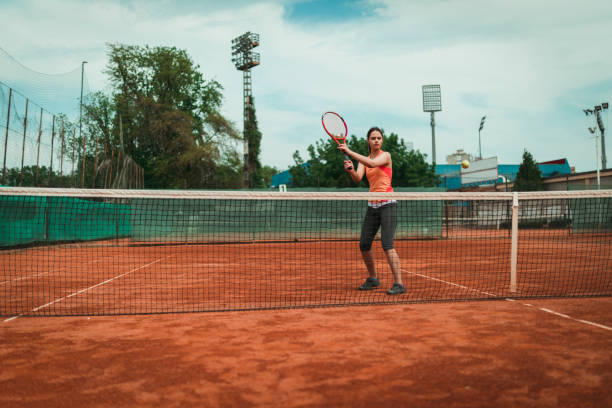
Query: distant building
{"points": [[450, 174], [575, 181], [284, 177], [458, 157], [556, 174]]}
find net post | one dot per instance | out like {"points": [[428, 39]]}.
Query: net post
{"points": [[514, 250]]}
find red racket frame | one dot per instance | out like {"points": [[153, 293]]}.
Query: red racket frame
{"points": [[336, 139]]}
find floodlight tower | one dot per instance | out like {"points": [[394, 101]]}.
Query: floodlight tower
{"points": [[432, 102], [244, 59], [596, 112], [602, 130], [482, 122], [593, 131]]}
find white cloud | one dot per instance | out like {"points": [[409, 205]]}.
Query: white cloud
{"points": [[529, 66]]}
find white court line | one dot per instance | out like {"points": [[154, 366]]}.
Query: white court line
{"points": [[601, 326], [89, 288], [31, 276], [49, 272], [450, 283], [543, 309]]}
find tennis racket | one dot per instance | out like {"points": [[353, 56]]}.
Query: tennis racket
{"points": [[336, 128]]}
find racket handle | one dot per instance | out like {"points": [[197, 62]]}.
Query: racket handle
{"points": [[347, 158]]}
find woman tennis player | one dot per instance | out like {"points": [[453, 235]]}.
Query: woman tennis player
{"points": [[377, 167]]}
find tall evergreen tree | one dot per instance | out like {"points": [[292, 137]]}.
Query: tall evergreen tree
{"points": [[529, 176], [253, 138], [259, 176]]}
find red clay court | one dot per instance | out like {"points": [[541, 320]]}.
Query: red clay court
{"points": [[496, 313], [122, 277], [537, 353]]}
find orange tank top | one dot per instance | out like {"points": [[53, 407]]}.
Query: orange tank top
{"points": [[379, 178]]}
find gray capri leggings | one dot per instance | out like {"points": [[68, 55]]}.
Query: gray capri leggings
{"points": [[385, 217]]}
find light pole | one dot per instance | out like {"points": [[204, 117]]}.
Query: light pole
{"points": [[596, 112], [593, 130], [244, 59], [602, 129], [482, 121], [81, 100], [81, 122], [432, 102]]}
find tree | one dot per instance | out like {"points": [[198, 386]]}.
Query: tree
{"points": [[253, 138], [101, 140], [529, 176], [300, 174], [228, 173], [168, 115], [55, 172], [28, 177], [409, 166], [266, 173], [325, 168]]}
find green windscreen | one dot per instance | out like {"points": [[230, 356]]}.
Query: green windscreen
{"points": [[591, 214], [244, 220], [34, 219]]}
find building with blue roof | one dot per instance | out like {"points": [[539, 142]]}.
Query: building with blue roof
{"points": [[450, 174], [284, 177]]}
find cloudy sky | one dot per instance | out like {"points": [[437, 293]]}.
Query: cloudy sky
{"points": [[529, 66]]}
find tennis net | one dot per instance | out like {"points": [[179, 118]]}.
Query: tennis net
{"points": [[90, 252]]}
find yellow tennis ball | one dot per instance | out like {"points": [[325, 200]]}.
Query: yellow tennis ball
{"points": [[465, 164]]}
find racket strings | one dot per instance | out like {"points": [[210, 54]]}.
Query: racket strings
{"points": [[334, 125]]}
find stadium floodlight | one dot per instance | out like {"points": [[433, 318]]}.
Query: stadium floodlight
{"points": [[244, 59], [482, 122], [432, 102], [596, 111], [593, 131], [602, 129]]}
